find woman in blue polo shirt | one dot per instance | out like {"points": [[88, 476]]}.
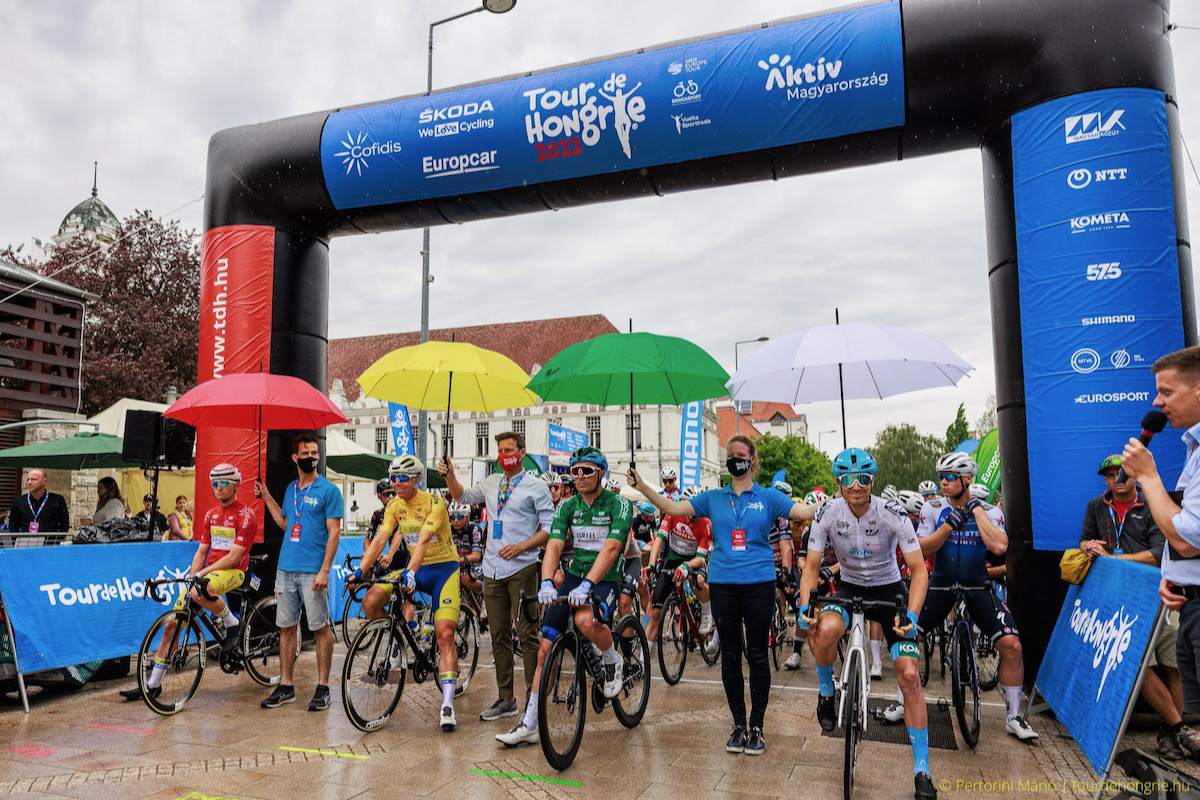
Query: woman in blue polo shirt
{"points": [[741, 577]]}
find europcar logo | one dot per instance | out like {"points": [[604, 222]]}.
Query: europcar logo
{"points": [[1093, 125], [357, 151]]}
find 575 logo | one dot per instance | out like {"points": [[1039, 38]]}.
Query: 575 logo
{"points": [[1107, 271]]}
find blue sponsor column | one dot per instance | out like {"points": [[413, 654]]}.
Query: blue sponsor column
{"points": [[1100, 295]]}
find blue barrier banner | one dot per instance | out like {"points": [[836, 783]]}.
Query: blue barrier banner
{"points": [[347, 545], [1099, 289], [691, 443], [564, 441], [402, 435], [83, 603], [1092, 663], [815, 78]]}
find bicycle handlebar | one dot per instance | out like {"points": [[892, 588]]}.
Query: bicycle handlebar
{"points": [[593, 601], [900, 604]]}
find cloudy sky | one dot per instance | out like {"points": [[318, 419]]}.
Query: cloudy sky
{"points": [[140, 86]]}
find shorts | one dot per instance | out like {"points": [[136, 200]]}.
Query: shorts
{"points": [[294, 588], [220, 581], [885, 617], [664, 583], [555, 617], [988, 613], [632, 576], [1164, 648], [440, 582]]}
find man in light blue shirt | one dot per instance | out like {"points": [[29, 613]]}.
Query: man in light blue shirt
{"points": [[1177, 378], [520, 511]]}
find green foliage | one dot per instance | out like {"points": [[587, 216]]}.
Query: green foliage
{"points": [[805, 465], [906, 456], [958, 432], [987, 420]]}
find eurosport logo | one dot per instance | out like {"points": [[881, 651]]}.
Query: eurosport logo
{"points": [[358, 151], [1093, 125], [1082, 178], [455, 119], [1108, 221], [1085, 360], [1112, 397]]}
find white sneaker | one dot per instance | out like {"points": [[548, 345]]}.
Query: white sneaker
{"points": [[612, 680], [1019, 728], [706, 624], [712, 648], [448, 720], [793, 661], [518, 736], [876, 671], [894, 712]]}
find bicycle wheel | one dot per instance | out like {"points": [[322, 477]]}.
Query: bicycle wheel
{"points": [[672, 641], [925, 643], [373, 675], [185, 662], [987, 662], [260, 643], [778, 634], [630, 704], [562, 701], [466, 642], [852, 720], [965, 684], [353, 619]]}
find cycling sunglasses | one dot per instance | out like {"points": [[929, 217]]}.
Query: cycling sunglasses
{"points": [[948, 477], [222, 484], [859, 478], [388, 495], [457, 517], [584, 472], [401, 478]]}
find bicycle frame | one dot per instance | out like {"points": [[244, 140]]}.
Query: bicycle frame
{"points": [[856, 643]]}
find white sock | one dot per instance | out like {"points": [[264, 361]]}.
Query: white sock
{"points": [[706, 608], [156, 675], [449, 684], [876, 652], [611, 655], [899, 694], [530, 721], [1012, 697], [229, 618]]}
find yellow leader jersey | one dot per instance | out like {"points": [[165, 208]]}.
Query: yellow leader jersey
{"points": [[424, 512]]}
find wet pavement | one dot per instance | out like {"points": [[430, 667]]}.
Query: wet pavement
{"points": [[93, 744]]}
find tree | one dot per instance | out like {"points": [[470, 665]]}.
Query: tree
{"points": [[905, 456], [142, 335], [958, 432], [805, 466], [987, 420]]}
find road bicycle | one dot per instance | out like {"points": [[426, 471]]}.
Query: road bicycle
{"points": [[777, 636], [378, 661], [854, 685], [191, 633], [563, 694], [965, 642], [679, 632]]}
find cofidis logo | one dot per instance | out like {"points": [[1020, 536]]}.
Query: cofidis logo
{"points": [[358, 150]]}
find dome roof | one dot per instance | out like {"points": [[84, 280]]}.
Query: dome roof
{"points": [[93, 216]]}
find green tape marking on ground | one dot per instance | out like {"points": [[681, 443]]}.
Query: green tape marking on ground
{"points": [[526, 777], [322, 752]]}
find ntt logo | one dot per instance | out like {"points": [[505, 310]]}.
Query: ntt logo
{"points": [[358, 150]]}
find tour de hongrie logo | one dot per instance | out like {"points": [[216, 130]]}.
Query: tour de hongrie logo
{"points": [[359, 149], [561, 121]]}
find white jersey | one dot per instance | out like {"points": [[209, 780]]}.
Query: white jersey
{"points": [[865, 546]]}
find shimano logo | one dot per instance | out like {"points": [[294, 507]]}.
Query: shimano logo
{"points": [[357, 151], [429, 115], [1093, 125], [1112, 397], [1100, 222], [1119, 319]]}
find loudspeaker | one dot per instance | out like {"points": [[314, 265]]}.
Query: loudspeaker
{"points": [[178, 441], [143, 437]]}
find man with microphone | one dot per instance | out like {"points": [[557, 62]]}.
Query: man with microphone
{"points": [[1177, 379]]}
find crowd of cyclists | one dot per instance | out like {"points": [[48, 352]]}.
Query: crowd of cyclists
{"points": [[740, 549]]}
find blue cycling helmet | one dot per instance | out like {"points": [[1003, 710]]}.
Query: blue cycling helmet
{"points": [[589, 455], [853, 460], [646, 508]]}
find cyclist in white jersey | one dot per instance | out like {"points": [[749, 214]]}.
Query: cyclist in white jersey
{"points": [[865, 532]]}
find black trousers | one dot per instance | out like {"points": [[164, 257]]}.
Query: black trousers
{"points": [[750, 606]]}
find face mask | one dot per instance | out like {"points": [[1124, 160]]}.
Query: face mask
{"points": [[509, 461], [738, 466], [307, 464]]}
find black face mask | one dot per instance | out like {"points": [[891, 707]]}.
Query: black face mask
{"points": [[307, 464], [738, 466]]}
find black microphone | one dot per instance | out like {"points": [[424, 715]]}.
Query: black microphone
{"points": [[1152, 423]]}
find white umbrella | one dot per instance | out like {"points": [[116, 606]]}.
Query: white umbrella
{"points": [[857, 360]]}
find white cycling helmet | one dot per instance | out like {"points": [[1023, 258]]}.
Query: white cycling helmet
{"points": [[406, 465], [815, 496], [927, 487], [890, 493], [980, 491], [689, 492], [668, 474], [912, 501], [959, 464], [783, 486], [459, 508], [225, 472]]}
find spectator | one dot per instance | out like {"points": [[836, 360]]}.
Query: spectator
{"points": [[384, 492], [1117, 524], [153, 518], [1177, 379], [180, 521], [39, 511], [312, 526], [109, 503]]}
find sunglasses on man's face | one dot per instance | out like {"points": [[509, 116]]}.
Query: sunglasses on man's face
{"points": [[584, 472], [222, 484], [388, 495], [856, 479], [948, 477], [401, 478], [457, 517]]}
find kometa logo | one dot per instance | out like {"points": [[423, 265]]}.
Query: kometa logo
{"points": [[1093, 125]]}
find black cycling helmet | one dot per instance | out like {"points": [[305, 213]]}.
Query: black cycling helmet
{"points": [[384, 485]]}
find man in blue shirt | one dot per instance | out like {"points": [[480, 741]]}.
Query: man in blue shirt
{"points": [[311, 519]]}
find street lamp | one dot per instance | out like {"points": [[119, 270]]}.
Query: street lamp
{"points": [[496, 7], [737, 415], [820, 446]]}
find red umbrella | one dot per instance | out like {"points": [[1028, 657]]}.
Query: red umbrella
{"points": [[256, 401]]}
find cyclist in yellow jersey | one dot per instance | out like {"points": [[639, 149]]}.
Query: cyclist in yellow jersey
{"points": [[421, 521]]}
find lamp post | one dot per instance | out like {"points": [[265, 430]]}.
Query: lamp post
{"points": [[820, 446], [737, 415], [496, 7]]}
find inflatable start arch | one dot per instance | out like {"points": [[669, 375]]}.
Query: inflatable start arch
{"points": [[1072, 105]]}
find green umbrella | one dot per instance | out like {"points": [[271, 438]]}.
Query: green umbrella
{"points": [[631, 369], [84, 450], [375, 466]]}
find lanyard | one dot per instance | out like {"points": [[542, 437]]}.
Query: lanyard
{"points": [[29, 500], [1119, 525], [298, 502], [505, 492], [737, 515]]}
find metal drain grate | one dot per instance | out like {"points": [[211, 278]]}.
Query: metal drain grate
{"points": [[941, 726]]}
